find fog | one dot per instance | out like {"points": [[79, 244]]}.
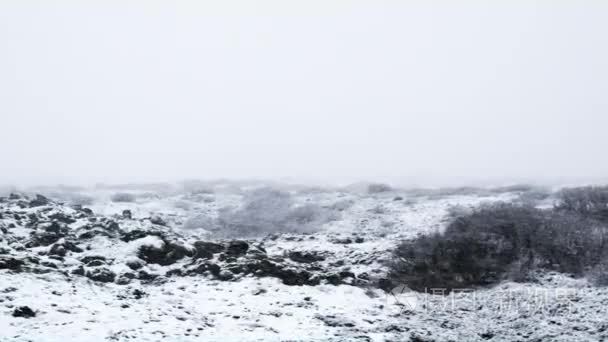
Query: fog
{"points": [[407, 92]]}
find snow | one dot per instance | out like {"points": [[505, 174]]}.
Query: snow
{"points": [[196, 308]]}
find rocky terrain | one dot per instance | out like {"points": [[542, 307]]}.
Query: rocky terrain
{"points": [[157, 265]]}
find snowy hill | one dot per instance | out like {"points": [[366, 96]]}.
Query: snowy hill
{"points": [[227, 262]]}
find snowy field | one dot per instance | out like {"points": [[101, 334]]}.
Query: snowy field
{"points": [[83, 273]]}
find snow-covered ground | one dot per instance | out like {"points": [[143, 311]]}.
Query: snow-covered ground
{"points": [[230, 305]]}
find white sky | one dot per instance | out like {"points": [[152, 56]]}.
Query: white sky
{"points": [[412, 92]]}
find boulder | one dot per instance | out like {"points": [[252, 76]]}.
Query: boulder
{"points": [[126, 214], [166, 255], [11, 263], [203, 268], [61, 217], [205, 250], [237, 248], [137, 234], [24, 312], [61, 249], [102, 275], [158, 220], [78, 271], [305, 257], [135, 264], [39, 201], [87, 260], [145, 276]]}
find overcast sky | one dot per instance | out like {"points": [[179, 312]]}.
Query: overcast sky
{"points": [[411, 92]]}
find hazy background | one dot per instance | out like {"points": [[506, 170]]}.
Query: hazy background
{"points": [[409, 92]]}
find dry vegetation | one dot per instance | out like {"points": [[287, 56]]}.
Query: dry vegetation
{"points": [[511, 241]]}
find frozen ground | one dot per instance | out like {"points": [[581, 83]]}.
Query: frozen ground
{"points": [[180, 301]]}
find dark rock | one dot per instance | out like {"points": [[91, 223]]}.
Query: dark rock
{"points": [[333, 321], [333, 279], [237, 248], [359, 240], [225, 275], [10, 289], [137, 234], [87, 211], [178, 272], [101, 274], [205, 267], [95, 263], [487, 335], [40, 270], [363, 276], [14, 196], [87, 260], [128, 275], [344, 241], [72, 247], [157, 220], [257, 253], [58, 249], [126, 214], [398, 198], [305, 257], [134, 264], [205, 250], [55, 228], [32, 217], [43, 239], [92, 233], [61, 217], [167, 255], [31, 260], [11, 263], [138, 294], [346, 274], [112, 226], [385, 284], [51, 235], [78, 271], [39, 201], [124, 280], [49, 264], [145, 276], [395, 328], [225, 258], [266, 268], [24, 311]]}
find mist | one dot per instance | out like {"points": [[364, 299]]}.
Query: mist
{"points": [[415, 93]]}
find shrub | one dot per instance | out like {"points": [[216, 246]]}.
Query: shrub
{"points": [[500, 241], [589, 201], [569, 243], [534, 196], [378, 188], [477, 249], [123, 197], [598, 275], [266, 211]]}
